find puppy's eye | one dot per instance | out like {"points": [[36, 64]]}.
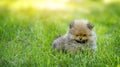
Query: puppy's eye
{"points": [[77, 35], [84, 34]]}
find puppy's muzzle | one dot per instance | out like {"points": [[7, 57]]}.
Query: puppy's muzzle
{"points": [[81, 41]]}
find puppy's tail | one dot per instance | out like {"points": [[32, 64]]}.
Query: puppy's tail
{"points": [[58, 36]]}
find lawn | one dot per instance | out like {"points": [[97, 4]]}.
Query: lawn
{"points": [[27, 33]]}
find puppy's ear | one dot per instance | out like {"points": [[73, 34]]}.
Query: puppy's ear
{"points": [[71, 25], [90, 25]]}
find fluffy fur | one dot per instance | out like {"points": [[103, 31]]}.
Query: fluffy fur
{"points": [[79, 37]]}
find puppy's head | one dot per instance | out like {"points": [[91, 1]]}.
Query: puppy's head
{"points": [[81, 31]]}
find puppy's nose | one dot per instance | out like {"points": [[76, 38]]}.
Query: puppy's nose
{"points": [[80, 39]]}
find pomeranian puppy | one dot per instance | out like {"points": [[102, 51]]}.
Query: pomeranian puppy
{"points": [[79, 37]]}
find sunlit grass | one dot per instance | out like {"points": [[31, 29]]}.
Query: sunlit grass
{"points": [[36, 4]]}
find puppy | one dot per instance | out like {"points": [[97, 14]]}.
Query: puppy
{"points": [[79, 37]]}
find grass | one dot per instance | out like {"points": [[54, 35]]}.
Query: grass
{"points": [[26, 36]]}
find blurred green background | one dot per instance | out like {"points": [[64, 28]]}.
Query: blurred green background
{"points": [[28, 28]]}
